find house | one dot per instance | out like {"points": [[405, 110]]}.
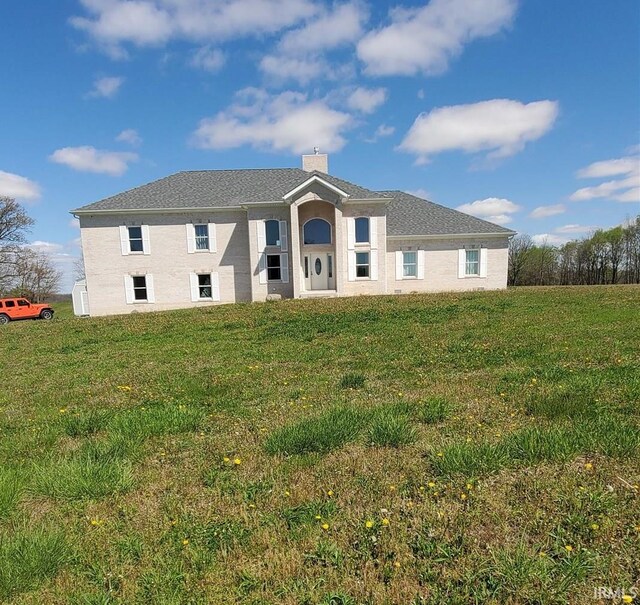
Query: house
{"points": [[222, 236]]}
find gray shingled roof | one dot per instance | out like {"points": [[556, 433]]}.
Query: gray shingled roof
{"points": [[406, 214], [411, 215], [219, 189]]}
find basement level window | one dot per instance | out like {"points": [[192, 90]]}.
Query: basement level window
{"points": [[139, 287]]}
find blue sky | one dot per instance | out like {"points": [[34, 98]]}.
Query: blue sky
{"points": [[523, 112]]}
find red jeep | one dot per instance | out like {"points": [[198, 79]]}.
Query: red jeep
{"points": [[20, 308]]}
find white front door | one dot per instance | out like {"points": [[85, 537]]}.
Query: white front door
{"points": [[318, 269]]}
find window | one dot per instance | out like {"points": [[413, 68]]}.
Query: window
{"points": [[362, 264], [317, 231], [472, 262], [139, 287], [362, 230], [135, 239], [330, 265], [23, 303], [272, 229], [273, 267], [204, 285], [10, 303], [306, 267], [409, 264], [201, 236]]}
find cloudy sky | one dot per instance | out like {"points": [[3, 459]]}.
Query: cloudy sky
{"points": [[523, 112]]}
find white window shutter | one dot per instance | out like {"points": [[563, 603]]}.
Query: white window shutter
{"points": [[195, 290], [191, 238], [462, 261], [261, 236], [351, 234], [373, 232], [151, 296], [373, 265], [284, 241], [128, 289], [262, 268], [124, 240], [146, 245], [420, 261], [213, 241], [483, 262], [399, 265], [351, 266], [284, 268], [215, 286]]}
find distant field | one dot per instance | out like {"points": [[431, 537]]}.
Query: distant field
{"points": [[446, 449]]}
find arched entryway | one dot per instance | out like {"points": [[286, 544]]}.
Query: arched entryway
{"points": [[317, 239]]}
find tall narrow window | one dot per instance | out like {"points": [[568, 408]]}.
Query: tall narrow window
{"points": [[135, 239], [274, 272], [362, 230], [204, 285], [272, 229], [202, 236], [409, 264], [472, 264], [362, 264], [139, 287]]}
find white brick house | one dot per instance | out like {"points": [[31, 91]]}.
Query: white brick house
{"points": [[222, 236]]}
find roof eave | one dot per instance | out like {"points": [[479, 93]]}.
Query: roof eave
{"points": [[316, 179], [88, 211], [450, 235]]}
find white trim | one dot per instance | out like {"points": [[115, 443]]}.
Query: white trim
{"points": [[215, 286], [284, 240], [261, 235], [452, 236], [128, 289], [284, 268], [399, 265], [420, 255], [462, 262], [148, 280], [185, 210], [194, 286], [351, 233], [351, 265], [191, 238], [213, 240], [483, 262], [316, 179], [373, 231], [124, 240], [373, 265], [146, 242], [262, 268]]}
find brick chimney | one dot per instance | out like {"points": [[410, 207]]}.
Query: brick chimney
{"points": [[317, 161]]}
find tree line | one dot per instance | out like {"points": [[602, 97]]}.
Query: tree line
{"points": [[23, 272], [605, 257]]}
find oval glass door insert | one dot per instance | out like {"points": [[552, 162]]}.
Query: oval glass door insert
{"points": [[318, 266]]}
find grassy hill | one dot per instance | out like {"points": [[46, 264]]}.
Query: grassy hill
{"points": [[450, 449]]}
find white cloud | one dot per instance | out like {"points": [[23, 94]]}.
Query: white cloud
{"points": [[367, 100], [285, 122], [74, 223], [209, 59], [425, 39], [106, 88], [574, 229], [421, 193], [130, 136], [302, 70], [624, 189], [18, 187], [328, 30], [90, 159], [115, 23], [63, 256], [549, 239], [501, 125], [545, 211], [493, 209], [385, 131]]}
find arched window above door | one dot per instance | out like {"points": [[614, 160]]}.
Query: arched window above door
{"points": [[316, 231]]}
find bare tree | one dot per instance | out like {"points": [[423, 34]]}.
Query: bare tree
{"points": [[14, 224], [520, 248], [37, 278]]}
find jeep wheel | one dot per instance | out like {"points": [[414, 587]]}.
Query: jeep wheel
{"points": [[46, 314], [4, 319]]}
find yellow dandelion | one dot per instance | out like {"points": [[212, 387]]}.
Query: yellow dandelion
{"points": [[440, 454], [330, 492], [542, 553], [185, 542], [421, 488], [287, 493], [369, 524], [534, 380], [627, 598], [431, 484], [469, 486], [588, 466], [318, 517], [568, 548], [252, 505], [237, 461], [397, 564], [595, 526], [325, 526], [385, 521], [62, 410], [174, 521], [95, 522], [463, 496], [225, 459]]}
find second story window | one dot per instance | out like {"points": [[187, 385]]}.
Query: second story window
{"points": [[135, 239], [202, 236], [362, 230], [272, 229]]}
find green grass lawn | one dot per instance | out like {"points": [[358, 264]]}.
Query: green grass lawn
{"points": [[446, 449]]}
